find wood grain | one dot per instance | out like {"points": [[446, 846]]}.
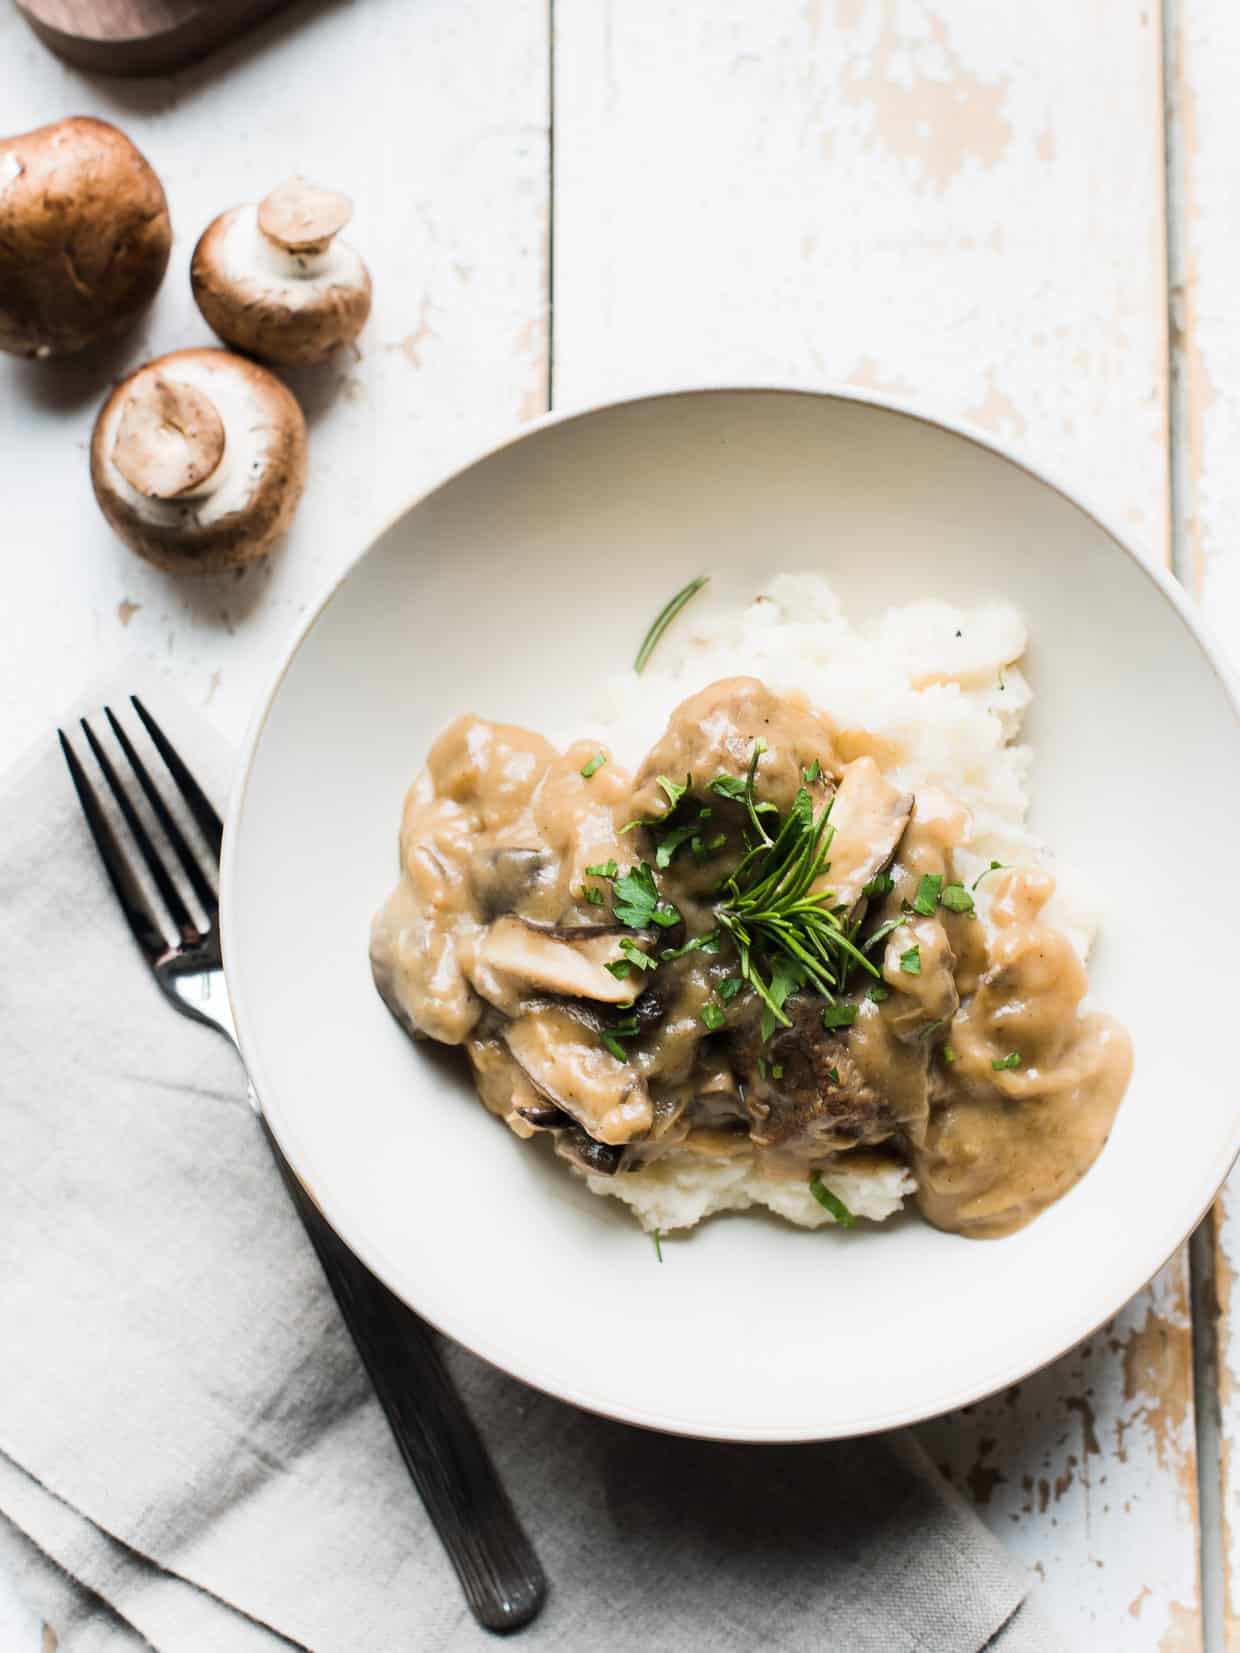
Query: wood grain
{"points": [[1204, 47], [140, 37], [936, 203]]}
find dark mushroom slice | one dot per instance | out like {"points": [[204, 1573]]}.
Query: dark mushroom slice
{"points": [[606, 1097], [545, 1116], [868, 817], [502, 879], [601, 1159]]}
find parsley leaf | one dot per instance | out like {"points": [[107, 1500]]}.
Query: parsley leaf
{"points": [[813, 773], [636, 956], [1011, 1060], [728, 786], [833, 1074], [878, 994], [882, 883], [605, 869], [910, 962], [714, 1016], [957, 899], [593, 895], [949, 1055], [636, 897], [838, 1015], [674, 792], [729, 988], [927, 897]]}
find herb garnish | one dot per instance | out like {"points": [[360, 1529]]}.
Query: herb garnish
{"points": [[657, 1236], [927, 897], [673, 790], [610, 1037], [786, 934], [833, 1074], [813, 773], [878, 994], [729, 988], [995, 866], [910, 962], [605, 869], [949, 1055], [833, 1203], [838, 1015], [664, 618], [636, 956], [882, 883], [710, 943], [728, 786], [595, 764], [957, 899], [593, 894], [637, 902], [1011, 1060], [714, 1016]]}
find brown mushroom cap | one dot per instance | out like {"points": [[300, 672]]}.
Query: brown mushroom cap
{"points": [[274, 282], [198, 460], [84, 236]]}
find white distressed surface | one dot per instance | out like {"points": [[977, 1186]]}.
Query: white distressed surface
{"points": [[1207, 49], [958, 203], [942, 203], [433, 117]]}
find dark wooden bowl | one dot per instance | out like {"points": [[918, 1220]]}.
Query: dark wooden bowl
{"points": [[140, 37]]}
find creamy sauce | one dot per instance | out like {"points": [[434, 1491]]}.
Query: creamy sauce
{"points": [[498, 937]]}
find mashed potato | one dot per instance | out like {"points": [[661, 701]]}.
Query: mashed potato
{"points": [[936, 695]]}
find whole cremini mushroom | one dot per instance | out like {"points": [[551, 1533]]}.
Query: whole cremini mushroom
{"points": [[275, 281], [198, 460], [84, 237]]}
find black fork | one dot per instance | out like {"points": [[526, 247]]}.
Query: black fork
{"points": [[499, 1572]]}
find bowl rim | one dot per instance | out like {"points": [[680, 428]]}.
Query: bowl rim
{"points": [[1160, 575]]}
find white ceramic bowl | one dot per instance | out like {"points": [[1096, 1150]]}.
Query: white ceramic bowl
{"points": [[509, 591]]}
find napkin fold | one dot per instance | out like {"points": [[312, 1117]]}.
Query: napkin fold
{"points": [[191, 1457]]}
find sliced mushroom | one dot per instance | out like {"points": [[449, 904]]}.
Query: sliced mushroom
{"points": [[198, 460], [501, 879], [275, 281], [869, 816], [601, 1159], [84, 237], [607, 1098], [576, 968]]}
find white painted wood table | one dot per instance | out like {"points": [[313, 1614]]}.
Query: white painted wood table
{"points": [[1024, 216]]}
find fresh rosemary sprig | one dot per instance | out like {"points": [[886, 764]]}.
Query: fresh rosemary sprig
{"points": [[664, 619], [787, 934]]}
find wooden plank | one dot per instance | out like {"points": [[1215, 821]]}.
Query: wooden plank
{"points": [[937, 203], [1204, 51], [447, 161]]}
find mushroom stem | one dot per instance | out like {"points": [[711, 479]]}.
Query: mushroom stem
{"points": [[301, 219], [170, 439]]}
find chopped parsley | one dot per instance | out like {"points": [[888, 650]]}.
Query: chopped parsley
{"points": [[664, 618], [593, 895], [949, 1055], [729, 988], [878, 994], [709, 943], [832, 1202], [595, 764], [833, 1074], [610, 1037], [927, 897], [1011, 1060], [673, 790], [605, 869], [777, 1071], [714, 1016], [995, 866], [838, 1015], [812, 774], [957, 899], [610, 1042], [636, 956], [672, 841], [636, 899], [728, 786], [882, 883], [910, 962]]}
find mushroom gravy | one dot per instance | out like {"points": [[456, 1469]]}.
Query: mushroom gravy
{"points": [[590, 939]]}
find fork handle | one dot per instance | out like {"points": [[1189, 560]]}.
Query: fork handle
{"points": [[499, 1571]]}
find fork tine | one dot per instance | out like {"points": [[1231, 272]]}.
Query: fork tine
{"points": [[141, 919], [154, 865], [209, 823], [186, 856]]}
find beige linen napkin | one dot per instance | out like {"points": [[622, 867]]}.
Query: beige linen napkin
{"points": [[190, 1454]]}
